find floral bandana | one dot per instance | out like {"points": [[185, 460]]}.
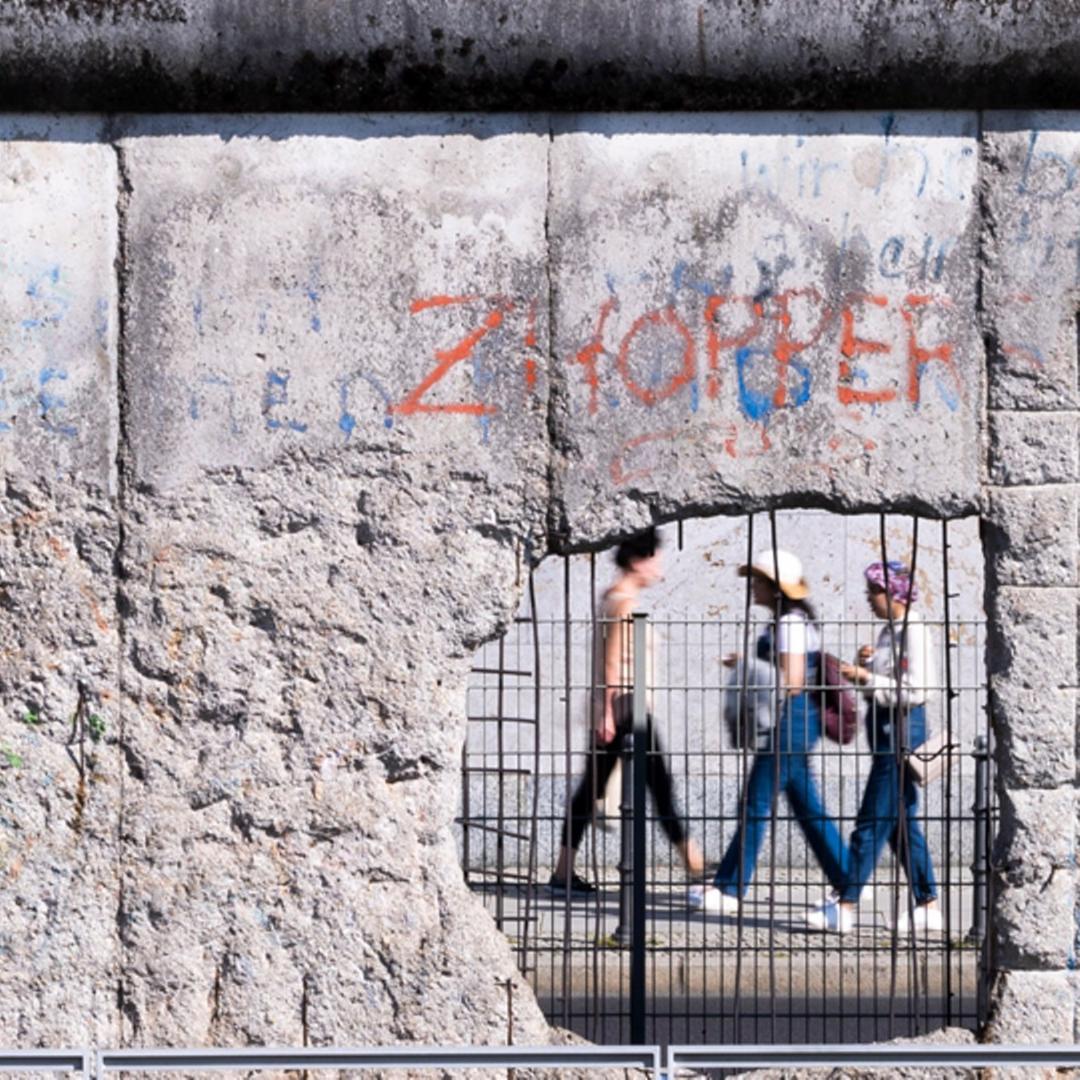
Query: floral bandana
{"points": [[900, 587]]}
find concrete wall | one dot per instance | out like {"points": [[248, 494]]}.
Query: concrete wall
{"points": [[162, 55], [357, 372]]}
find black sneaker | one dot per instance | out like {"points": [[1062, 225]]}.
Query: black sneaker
{"points": [[577, 886]]}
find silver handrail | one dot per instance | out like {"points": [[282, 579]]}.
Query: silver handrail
{"points": [[926, 1055], [46, 1061], [382, 1057]]}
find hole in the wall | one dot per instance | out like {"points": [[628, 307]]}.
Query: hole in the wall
{"points": [[759, 974]]}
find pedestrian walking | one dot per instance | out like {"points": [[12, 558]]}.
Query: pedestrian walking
{"points": [[792, 643], [640, 566], [895, 676]]}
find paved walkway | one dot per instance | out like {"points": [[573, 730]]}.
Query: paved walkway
{"points": [[769, 978]]}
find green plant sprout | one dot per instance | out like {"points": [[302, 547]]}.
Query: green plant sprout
{"points": [[32, 718], [96, 727], [13, 760]]}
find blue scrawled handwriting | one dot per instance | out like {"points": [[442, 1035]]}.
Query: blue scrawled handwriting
{"points": [[1056, 179], [50, 302], [346, 420], [758, 405], [49, 403], [275, 395]]}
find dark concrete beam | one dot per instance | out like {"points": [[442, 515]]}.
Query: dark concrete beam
{"points": [[152, 55]]}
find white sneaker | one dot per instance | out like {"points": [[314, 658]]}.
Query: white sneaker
{"points": [[832, 918], [710, 899], [927, 920]]}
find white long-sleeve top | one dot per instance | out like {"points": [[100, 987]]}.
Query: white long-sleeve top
{"points": [[918, 671]]}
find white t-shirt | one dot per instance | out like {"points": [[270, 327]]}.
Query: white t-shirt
{"points": [[919, 675], [797, 635]]}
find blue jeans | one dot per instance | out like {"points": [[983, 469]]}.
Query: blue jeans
{"points": [[798, 732], [879, 814]]}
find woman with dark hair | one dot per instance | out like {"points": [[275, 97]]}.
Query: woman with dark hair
{"points": [[612, 716], [895, 676], [793, 644]]}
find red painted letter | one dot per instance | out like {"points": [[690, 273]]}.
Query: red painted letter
{"points": [[595, 348], [918, 357], [680, 378], [714, 343], [413, 401], [852, 346]]}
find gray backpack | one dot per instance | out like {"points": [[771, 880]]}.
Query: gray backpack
{"points": [[750, 716]]}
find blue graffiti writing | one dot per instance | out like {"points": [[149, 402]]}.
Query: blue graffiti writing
{"points": [[277, 394], [49, 403]]}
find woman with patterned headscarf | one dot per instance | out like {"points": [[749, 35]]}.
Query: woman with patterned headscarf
{"points": [[896, 676]]}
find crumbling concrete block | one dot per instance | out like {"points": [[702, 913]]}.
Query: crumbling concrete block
{"points": [[1035, 859], [339, 437], [1032, 1007], [1034, 448], [746, 312], [60, 769], [1031, 536]]}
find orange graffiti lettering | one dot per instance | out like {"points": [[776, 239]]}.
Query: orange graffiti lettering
{"points": [[530, 345], [587, 356], [731, 442], [621, 477], [413, 402], [689, 359], [427, 302], [852, 346], [785, 347], [918, 356], [714, 343]]}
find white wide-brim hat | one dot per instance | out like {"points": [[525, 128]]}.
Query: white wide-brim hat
{"points": [[791, 581]]}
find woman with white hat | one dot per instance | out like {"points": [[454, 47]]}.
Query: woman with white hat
{"points": [[793, 643]]}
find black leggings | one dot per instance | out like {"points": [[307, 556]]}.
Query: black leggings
{"points": [[657, 778]]}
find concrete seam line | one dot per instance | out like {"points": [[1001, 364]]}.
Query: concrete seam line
{"points": [[122, 472]]}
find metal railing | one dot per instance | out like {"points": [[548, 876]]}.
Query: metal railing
{"points": [[61, 1061], [382, 1057], [97, 1064], [676, 1061], [964, 1056]]}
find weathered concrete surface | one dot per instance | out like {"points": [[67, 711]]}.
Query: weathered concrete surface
{"points": [[1033, 1007], [316, 541], [754, 311], [356, 398], [60, 781], [1030, 289], [945, 1037], [488, 54]]}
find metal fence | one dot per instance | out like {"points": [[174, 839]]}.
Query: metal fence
{"points": [[632, 961]]}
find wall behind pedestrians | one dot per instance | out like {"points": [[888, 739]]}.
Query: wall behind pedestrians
{"points": [[291, 403], [696, 613]]}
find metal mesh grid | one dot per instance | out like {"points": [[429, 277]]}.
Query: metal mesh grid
{"points": [[761, 975]]}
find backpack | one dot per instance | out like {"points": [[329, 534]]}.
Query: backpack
{"points": [[839, 705], [839, 702], [750, 705]]}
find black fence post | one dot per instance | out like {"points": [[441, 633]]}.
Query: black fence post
{"points": [[641, 748], [632, 863], [624, 932], [980, 869]]}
